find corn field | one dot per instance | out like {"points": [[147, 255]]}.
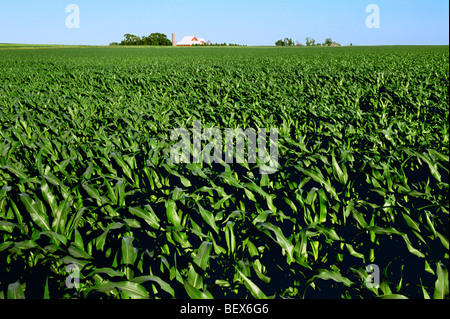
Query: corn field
{"points": [[91, 205]]}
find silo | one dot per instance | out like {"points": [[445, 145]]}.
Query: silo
{"points": [[174, 39]]}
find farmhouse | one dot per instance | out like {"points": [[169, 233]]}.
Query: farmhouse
{"points": [[190, 40]]}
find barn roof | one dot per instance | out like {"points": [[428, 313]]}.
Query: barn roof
{"points": [[190, 40]]}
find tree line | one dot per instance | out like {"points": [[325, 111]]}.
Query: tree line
{"points": [[157, 39], [288, 42]]}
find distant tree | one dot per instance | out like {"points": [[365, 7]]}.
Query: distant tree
{"points": [[308, 41], [287, 42], [157, 39], [328, 41], [130, 39], [153, 39]]}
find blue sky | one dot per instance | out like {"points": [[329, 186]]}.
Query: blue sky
{"points": [[250, 22]]}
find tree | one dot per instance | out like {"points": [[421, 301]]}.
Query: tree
{"points": [[328, 41], [130, 39], [158, 39], [310, 41], [287, 42]]}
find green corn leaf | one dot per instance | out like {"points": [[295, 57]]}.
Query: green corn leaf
{"points": [[195, 276], [410, 248], [74, 220], [128, 254], [13, 169], [119, 189], [254, 289], [208, 217], [46, 290], [132, 289], [337, 171], [146, 214], [323, 206], [301, 247], [164, 285], [52, 179], [26, 244], [411, 223], [15, 291], [219, 204], [328, 232], [281, 240], [444, 240], [112, 195], [195, 293], [183, 179], [172, 214], [5, 245], [318, 177], [125, 167], [433, 166], [107, 271], [78, 253], [230, 180], [393, 296], [261, 218], [202, 257], [93, 193], [259, 270], [359, 218], [441, 287], [57, 237], [334, 274], [424, 291], [49, 197], [60, 220], [354, 253], [37, 211], [230, 238], [441, 157], [100, 241], [253, 251]]}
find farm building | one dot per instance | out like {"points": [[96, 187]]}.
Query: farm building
{"points": [[190, 40]]}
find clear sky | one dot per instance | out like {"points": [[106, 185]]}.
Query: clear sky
{"points": [[250, 22]]}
